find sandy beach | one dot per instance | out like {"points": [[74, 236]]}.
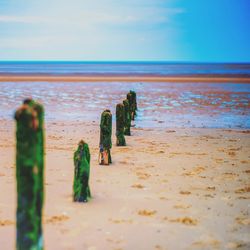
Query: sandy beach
{"points": [[180, 183]]}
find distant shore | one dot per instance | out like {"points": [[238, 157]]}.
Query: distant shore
{"points": [[122, 78]]}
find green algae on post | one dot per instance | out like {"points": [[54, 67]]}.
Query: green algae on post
{"points": [[134, 103], [130, 101], [81, 188], [127, 117], [120, 123], [105, 138], [131, 96], [29, 175], [133, 93]]}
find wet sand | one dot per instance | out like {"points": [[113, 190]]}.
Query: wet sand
{"points": [[171, 187], [122, 78]]}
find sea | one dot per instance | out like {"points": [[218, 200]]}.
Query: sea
{"points": [[160, 104], [124, 68]]}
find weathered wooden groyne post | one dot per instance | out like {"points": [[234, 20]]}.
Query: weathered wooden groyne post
{"points": [[120, 124], [133, 93], [133, 103], [130, 101], [29, 174], [81, 190], [127, 117], [105, 138]]}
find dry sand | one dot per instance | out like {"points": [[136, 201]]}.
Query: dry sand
{"points": [[169, 188]]}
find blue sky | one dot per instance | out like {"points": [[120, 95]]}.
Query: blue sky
{"points": [[125, 30]]}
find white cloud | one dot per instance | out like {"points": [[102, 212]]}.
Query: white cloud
{"points": [[85, 27], [23, 42], [22, 19], [94, 14], [36, 42]]}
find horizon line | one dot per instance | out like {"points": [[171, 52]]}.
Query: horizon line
{"points": [[124, 61]]}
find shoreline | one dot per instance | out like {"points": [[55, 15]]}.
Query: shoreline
{"points": [[121, 78]]}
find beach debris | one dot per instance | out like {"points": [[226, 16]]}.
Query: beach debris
{"points": [[163, 198], [245, 162], [244, 131], [243, 190], [147, 212], [236, 245], [158, 247], [207, 242], [137, 186], [120, 124], [170, 131], [243, 197], [143, 175], [232, 153], [29, 174], [119, 221], [219, 160], [127, 115], [243, 220], [185, 220], [185, 192], [57, 218], [161, 151], [6, 223], [182, 206], [209, 195], [105, 138], [227, 176], [195, 171], [81, 190]]}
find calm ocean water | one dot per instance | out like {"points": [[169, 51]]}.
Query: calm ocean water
{"points": [[136, 68]]}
